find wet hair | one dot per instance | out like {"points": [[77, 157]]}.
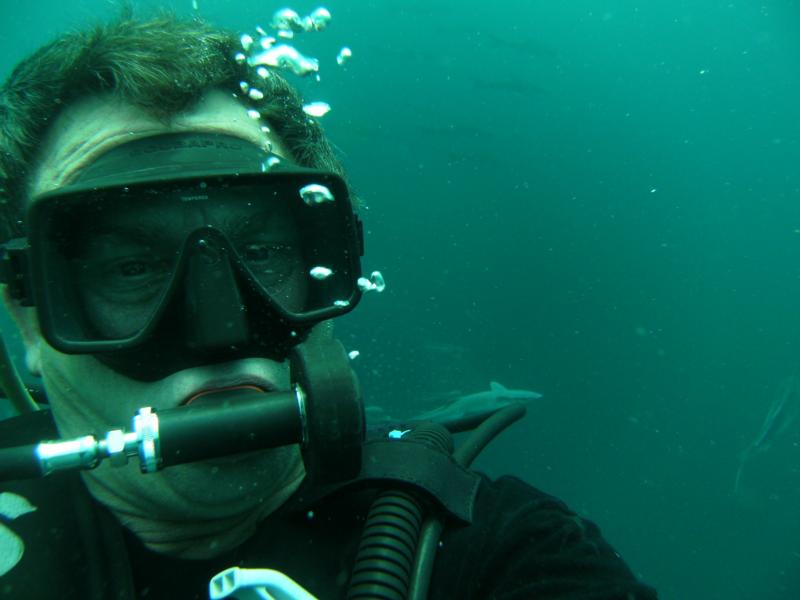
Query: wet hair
{"points": [[162, 64]]}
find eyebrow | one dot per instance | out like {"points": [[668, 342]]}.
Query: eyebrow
{"points": [[141, 231]]}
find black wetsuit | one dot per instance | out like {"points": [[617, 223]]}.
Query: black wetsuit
{"points": [[522, 543]]}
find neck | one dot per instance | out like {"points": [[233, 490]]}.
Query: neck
{"points": [[195, 530]]}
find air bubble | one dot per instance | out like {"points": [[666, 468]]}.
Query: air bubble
{"points": [[314, 193], [286, 19], [375, 283], [317, 109], [285, 57], [319, 19], [344, 54], [320, 273]]}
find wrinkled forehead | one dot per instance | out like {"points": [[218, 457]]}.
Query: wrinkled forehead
{"points": [[94, 125]]}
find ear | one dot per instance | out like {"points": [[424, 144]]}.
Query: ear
{"points": [[28, 325]]}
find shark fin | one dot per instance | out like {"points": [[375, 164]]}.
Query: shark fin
{"points": [[497, 388]]}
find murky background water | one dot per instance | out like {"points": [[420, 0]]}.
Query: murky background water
{"points": [[598, 201]]}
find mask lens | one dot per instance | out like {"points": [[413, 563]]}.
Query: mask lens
{"points": [[112, 261]]}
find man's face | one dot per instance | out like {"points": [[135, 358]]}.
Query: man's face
{"points": [[86, 396]]}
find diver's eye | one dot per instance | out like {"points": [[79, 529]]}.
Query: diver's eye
{"points": [[131, 272], [132, 269], [267, 251]]}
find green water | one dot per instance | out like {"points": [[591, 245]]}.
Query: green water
{"points": [[598, 201]]}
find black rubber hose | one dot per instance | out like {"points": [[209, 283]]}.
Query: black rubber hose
{"points": [[12, 384], [388, 544], [488, 430], [386, 555], [20, 462], [433, 526]]}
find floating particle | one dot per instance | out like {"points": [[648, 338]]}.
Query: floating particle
{"points": [[343, 55], [246, 41], [260, 31], [317, 109], [285, 57], [314, 193], [320, 273], [253, 114], [341, 303], [320, 18], [240, 57], [194, 5], [256, 94], [244, 86], [286, 19], [353, 354]]}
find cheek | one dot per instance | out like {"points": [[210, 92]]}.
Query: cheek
{"points": [[85, 396]]}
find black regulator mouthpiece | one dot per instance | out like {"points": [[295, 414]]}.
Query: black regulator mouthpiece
{"points": [[322, 412]]}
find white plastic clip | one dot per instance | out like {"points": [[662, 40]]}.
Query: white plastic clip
{"points": [[255, 584]]}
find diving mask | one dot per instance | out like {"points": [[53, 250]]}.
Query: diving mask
{"points": [[203, 241]]}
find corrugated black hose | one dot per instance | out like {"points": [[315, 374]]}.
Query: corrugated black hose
{"points": [[386, 555], [398, 545]]}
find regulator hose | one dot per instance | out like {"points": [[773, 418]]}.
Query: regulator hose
{"points": [[11, 383], [385, 559]]}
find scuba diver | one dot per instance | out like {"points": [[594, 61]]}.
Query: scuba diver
{"points": [[175, 252]]}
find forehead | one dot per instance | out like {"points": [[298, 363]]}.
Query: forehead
{"points": [[94, 125]]}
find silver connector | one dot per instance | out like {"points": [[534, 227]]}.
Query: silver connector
{"points": [[79, 453], [117, 446], [300, 395], [145, 426]]}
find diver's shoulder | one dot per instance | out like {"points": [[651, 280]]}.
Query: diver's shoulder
{"points": [[510, 490]]}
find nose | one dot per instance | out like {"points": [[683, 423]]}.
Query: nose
{"points": [[215, 315]]}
